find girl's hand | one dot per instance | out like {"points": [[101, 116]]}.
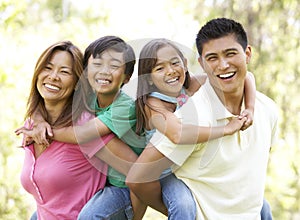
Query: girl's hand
{"points": [[234, 125], [249, 115], [38, 134]]}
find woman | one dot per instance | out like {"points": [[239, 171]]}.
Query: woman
{"points": [[59, 176]]}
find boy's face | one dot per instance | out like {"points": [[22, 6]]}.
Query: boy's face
{"points": [[225, 63], [106, 72]]}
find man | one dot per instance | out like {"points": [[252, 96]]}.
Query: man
{"points": [[226, 175]]}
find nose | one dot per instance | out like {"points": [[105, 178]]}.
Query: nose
{"points": [[170, 70], [105, 69], [223, 64], [53, 75]]}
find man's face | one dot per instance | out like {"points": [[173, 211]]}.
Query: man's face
{"points": [[225, 63]]}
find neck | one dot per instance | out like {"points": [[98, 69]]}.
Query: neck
{"points": [[105, 100], [54, 110], [232, 101]]}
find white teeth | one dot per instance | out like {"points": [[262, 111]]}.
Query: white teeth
{"points": [[102, 81], [172, 80], [52, 87], [227, 75]]}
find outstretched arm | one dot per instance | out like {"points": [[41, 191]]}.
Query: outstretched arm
{"points": [[168, 124], [90, 130]]}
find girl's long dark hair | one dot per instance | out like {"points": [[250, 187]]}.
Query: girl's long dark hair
{"points": [[147, 61]]}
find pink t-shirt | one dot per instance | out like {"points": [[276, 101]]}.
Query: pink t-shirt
{"points": [[62, 179]]}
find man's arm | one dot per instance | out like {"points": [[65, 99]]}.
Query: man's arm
{"points": [[143, 177]]}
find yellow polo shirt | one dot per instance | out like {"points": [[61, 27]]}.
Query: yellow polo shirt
{"points": [[226, 175]]}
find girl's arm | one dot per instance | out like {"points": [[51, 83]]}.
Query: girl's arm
{"points": [[196, 82], [166, 122], [250, 93], [90, 130]]}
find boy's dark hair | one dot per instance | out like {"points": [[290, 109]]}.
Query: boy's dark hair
{"points": [[220, 27], [115, 43], [85, 93]]}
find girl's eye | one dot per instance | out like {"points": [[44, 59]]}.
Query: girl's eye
{"points": [[175, 63], [158, 68], [47, 67]]}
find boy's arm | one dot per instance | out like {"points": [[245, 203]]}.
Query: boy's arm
{"points": [[250, 93], [40, 131], [90, 130]]}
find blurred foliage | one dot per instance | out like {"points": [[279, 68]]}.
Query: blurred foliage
{"points": [[273, 26]]}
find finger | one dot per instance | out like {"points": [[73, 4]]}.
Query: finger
{"points": [[49, 131]]}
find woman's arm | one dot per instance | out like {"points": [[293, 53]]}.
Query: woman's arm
{"points": [[168, 124]]}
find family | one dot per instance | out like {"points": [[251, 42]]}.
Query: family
{"points": [[189, 146]]}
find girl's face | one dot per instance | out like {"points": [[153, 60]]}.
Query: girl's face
{"points": [[56, 81], [168, 74], [106, 73]]}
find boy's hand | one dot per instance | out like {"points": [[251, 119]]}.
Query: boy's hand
{"points": [[249, 115], [38, 134]]}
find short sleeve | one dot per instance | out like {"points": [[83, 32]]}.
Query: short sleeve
{"points": [[174, 152], [120, 117]]}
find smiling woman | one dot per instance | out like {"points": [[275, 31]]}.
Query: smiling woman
{"points": [[70, 176]]}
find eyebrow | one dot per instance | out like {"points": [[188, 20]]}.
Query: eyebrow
{"points": [[223, 51]]}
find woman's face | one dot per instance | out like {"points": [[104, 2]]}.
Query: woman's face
{"points": [[168, 75], [56, 81]]}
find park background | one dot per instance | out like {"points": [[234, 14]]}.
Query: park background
{"points": [[27, 27]]}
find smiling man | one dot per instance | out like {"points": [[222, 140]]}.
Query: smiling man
{"points": [[226, 175]]}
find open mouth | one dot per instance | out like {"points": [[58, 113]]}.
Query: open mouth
{"points": [[103, 81], [52, 87], [226, 75], [173, 80]]}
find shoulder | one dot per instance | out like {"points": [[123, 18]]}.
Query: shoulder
{"points": [[270, 107], [85, 116]]}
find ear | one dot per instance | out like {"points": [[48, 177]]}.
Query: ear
{"points": [[200, 61], [185, 65], [248, 53], [126, 80]]}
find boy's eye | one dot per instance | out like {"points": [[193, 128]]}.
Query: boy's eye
{"points": [[115, 66], [66, 72]]}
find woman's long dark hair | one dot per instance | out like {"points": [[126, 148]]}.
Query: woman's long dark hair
{"points": [[36, 102]]}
